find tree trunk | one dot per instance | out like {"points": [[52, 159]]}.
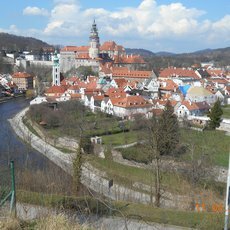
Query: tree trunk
{"points": [[157, 182]]}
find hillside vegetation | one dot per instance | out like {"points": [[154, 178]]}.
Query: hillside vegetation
{"points": [[12, 42]]}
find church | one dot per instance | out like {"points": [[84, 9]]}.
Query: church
{"points": [[95, 54]]}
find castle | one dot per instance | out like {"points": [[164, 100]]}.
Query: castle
{"points": [[94, 55]]}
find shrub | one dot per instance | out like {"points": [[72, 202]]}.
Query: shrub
{"points": [[136, 153]]}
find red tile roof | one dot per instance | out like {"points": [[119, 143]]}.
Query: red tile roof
{"points": [[55, 89], [178, 72], [131, 102], [168, 85], [21, 75], [195, 105], [111, 46], [115, 92], [75, 49], [125, 72], [215, 72]]}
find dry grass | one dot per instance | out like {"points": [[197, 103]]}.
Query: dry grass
{"points": [[52, 222], [56, 222], [10, 224]]}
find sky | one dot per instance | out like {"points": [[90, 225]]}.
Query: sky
{"points": [[157, 25]]}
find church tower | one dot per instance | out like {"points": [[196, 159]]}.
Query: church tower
{"points": [[94, 41], [56, 70]]}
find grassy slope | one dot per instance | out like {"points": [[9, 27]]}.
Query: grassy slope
{"points": [[226, 111], [214, 143], [141, 212]]}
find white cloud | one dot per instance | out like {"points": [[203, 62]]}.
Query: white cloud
{"points": [[149, 25], [33, 10]]}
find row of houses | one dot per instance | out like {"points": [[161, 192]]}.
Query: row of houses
{"points": [[125, 97]]}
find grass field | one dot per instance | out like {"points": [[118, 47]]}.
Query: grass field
{"points": [[213, 143], [127, 210], [120, 138], [128, 175], [226, 111]]}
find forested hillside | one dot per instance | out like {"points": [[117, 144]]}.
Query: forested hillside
{"points": [[10, 42]]}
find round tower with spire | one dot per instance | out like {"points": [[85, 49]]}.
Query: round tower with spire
{"points": [[94, 41], [56, 69]]}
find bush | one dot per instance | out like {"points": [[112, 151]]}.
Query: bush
{"points": [[136, 153]]}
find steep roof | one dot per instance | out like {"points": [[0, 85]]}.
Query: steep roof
{"points": [[108, 45], [56, 89], [131, 102], [195, 105], [178, 72]]}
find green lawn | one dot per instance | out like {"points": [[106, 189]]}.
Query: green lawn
{"points": [[198, 220], [226, 111], [127, 175], [213, 143], [121, 138]]}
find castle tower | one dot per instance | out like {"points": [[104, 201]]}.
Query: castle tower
{"points": [[94, 41], [56, 69]]}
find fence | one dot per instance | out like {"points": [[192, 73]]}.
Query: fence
{"points": [[7, 187]]}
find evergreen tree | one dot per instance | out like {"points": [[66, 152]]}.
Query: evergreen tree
{"points": [[215, 115], [168, 131]]}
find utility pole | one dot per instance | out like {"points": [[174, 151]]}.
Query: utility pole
{"points": [[227, 201], [13, 190]]}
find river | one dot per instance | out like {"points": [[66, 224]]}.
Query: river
{"points": [[40, 171]]}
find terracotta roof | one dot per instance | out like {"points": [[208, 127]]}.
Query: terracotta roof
{"points": [[108, 45], [168, 85], [131, 102], [219, 80], [195, 105], [215, 72], [21, 75], [115, 92], [75, 49], [178, 72], [125, 72], [120, 82], [55, 89]]}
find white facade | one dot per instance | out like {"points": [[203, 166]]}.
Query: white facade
{"points": [[56, 71], [38, 100]]}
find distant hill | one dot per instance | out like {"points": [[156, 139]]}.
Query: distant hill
{"points": [[11, 42], [214, 54], [164, 54], [221, 58], [142, 52]]}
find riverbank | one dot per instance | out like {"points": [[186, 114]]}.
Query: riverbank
{"points": [[91, 177]]}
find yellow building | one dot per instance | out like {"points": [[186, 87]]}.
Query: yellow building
{"points": [[23, 80]]}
